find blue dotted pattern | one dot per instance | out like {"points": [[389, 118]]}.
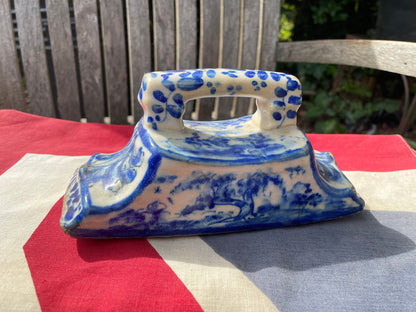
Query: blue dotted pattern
{"points": [[167, 100]]}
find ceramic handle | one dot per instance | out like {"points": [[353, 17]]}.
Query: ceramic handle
{"points": [[163, 95]]}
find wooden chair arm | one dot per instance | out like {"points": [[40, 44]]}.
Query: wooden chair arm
{"points": [[393, 56]]}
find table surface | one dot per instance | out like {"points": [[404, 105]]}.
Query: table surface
{"points": [[364, 262]]}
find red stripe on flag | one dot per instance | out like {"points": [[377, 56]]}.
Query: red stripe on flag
{"points": [[110, 275], [356, 152]]}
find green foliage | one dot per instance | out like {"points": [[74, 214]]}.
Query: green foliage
{"points": [[327, 19], [287, 22], [340, 113], [329, 11]]}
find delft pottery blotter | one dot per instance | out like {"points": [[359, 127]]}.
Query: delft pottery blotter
{"points": [[179, 177]]}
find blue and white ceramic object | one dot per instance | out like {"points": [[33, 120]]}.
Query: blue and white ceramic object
{"points": [[180, 177]]}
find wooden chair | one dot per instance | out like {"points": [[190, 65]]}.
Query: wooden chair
{"points": [[84, 59]]}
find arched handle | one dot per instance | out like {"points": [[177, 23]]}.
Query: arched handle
{"points": [[163, 95]]}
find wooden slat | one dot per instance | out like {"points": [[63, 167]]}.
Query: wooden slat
{"points": [[250, 40], [231, 34], [209, 46], [60, 36], [164, 34], [11, 95], [271, 18], [186, 40], [186, 34], [393, 56], [138, 28], [112, 22], [34, 57], [89, 55]]}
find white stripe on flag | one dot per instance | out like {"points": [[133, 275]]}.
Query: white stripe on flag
{"points": [[28, 190], [389, 191], [216, 284]]}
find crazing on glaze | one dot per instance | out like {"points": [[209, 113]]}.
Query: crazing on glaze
{"points": [[179, 177]]}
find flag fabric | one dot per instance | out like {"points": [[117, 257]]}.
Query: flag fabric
{"points": [[363, 262]]}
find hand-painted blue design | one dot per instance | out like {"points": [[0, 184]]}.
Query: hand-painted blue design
{"points": [[262, 75], [276, 191], [230, 73], [158, 95], [295, 100], [241, 147], [292, 85], [157, 109], [112, 172], [298, 170], [73, 200], [280, 92], [145, 217], [211, 73], [277, 116], [182, 82], [168, 84], [166, 179], [230, 202], [291, 114], [275, 76], [250, 73], [279, 103]]}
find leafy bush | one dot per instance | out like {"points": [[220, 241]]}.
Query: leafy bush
{"points": [[340, 99]]}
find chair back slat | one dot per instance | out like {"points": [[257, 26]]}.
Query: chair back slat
{"points": [[251, 31], [230, 48], [139, 48], [186, 40], [114, 52], [270, 34], [62, 50], [89, 56], [34, 57], [164, 34], [186, 34], [209, 49], [11, 92]]}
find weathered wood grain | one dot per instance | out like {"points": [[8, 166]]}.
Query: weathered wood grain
{"points": [[164, 34], [114, 50], [60, 35], [11, 92], [186, 40], [186, 34], [34, 58], [393, 56], [231, 37], [210, 16], [89, 55], [249, 53], [271, 18], [139, 48]]}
